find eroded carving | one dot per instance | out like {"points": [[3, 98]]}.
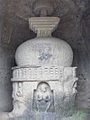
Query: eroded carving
{"points": [[43, 98], [45, 52]]}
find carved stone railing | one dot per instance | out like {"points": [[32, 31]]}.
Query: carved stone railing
{"points": [[40, 73]]}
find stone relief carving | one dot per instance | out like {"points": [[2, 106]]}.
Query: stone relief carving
{"points": [[43, 98], [18, 90], [70, 87], [18, 100], [47, 88], [45, 52], [47, 73]]}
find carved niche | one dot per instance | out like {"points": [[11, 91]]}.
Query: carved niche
{"points": [[43, 98]]}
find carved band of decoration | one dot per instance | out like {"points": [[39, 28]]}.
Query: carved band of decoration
{"points": [[48, 73]]}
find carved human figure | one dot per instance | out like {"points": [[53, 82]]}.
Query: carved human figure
{"points": [[43, 98], [18, 100]]}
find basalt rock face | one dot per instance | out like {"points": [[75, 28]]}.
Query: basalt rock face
{"points": [[74, 28], [5, 69]]}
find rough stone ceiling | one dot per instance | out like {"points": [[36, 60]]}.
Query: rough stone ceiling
{"points": [[17, 13], [23, 9]]}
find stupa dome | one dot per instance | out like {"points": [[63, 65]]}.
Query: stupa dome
{"points": [[44, 51]]}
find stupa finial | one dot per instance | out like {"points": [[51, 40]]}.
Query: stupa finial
{"points": [[43, 26], [42, 8]]}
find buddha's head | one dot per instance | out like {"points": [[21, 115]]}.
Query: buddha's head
{"points": [[43, 87]]}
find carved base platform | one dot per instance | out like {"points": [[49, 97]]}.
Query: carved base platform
{"points": [[43, 89]]}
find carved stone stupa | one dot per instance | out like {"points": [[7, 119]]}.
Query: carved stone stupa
{"points": [[44, 81]]}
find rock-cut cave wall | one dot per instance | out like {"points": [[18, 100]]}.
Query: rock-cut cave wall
{"points": [[73, 28]]}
